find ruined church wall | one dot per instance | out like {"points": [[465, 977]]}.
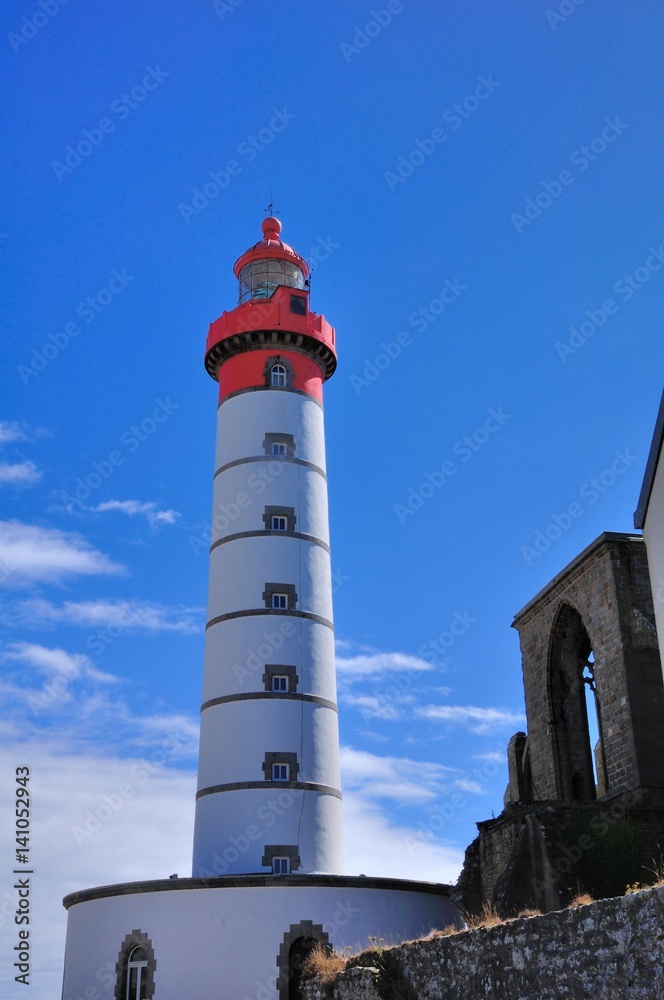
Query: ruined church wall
{"points": [[611, 950]]}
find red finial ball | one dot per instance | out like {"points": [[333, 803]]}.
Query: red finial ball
{"points": [[271, 228]]}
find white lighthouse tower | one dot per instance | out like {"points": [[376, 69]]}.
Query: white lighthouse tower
{"points": [[267, 883], [269, 735]]}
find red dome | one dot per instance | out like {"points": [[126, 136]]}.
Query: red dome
{"points": [[270, 247]]}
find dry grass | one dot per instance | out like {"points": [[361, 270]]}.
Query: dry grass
{"points": [[446, 931], [487, 917], [323, 964], [528, 912], [583, 899]]}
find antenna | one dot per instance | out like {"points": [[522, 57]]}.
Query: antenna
{"points": [[270, 208]]}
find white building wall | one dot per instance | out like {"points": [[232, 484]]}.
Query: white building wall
{"points": [[243, 421], [236, 735], [653, 533], [209, 944], [237, 650]]}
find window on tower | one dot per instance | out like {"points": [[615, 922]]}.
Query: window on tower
{"points": [[280, 765], [279, 445], [278, 372], [277, 518], [280, 678], [281, 858], [280, 596], [298, 305]]}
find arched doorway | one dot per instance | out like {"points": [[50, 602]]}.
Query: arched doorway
{"points": [[300, 949], [298, 942]]}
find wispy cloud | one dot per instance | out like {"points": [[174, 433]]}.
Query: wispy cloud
{"points": [[53, 661], [11, 431], [375, 706], [19, 473], [370, 664], [477, 720], [397, 778], [148, 509], [102, 613], [30, 553], [377, 846]]}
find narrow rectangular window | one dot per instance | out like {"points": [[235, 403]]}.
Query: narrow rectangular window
{"points": [[279, 523], [280, 683], [279, 449], [280, 602], [280, 772], [281, 866]]}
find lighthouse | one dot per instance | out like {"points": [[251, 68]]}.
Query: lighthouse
{"points": [[267, 883], [269, 744]]}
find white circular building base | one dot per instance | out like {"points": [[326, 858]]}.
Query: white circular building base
{"points": [[234, 937]]}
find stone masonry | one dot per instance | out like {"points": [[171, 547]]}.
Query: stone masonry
{"points": [[577, 815], [610, 950]]}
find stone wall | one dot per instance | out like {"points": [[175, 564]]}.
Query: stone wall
{"points": [[610, 950]]}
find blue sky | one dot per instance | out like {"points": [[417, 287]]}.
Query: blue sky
{"points": [[479, 192]]}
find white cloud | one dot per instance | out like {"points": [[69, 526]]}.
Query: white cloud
{"points": [[48, 660], [373, 707], [148, 509], [11, 431], [365, 665], [147, 836], [19, 473], [55, 661], [478, 720], [396, 778], [374, 846], [29, 553], [122, 614]]}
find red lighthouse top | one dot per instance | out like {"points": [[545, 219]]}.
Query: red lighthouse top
{"points": [[270, 247], [272, 318]]}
